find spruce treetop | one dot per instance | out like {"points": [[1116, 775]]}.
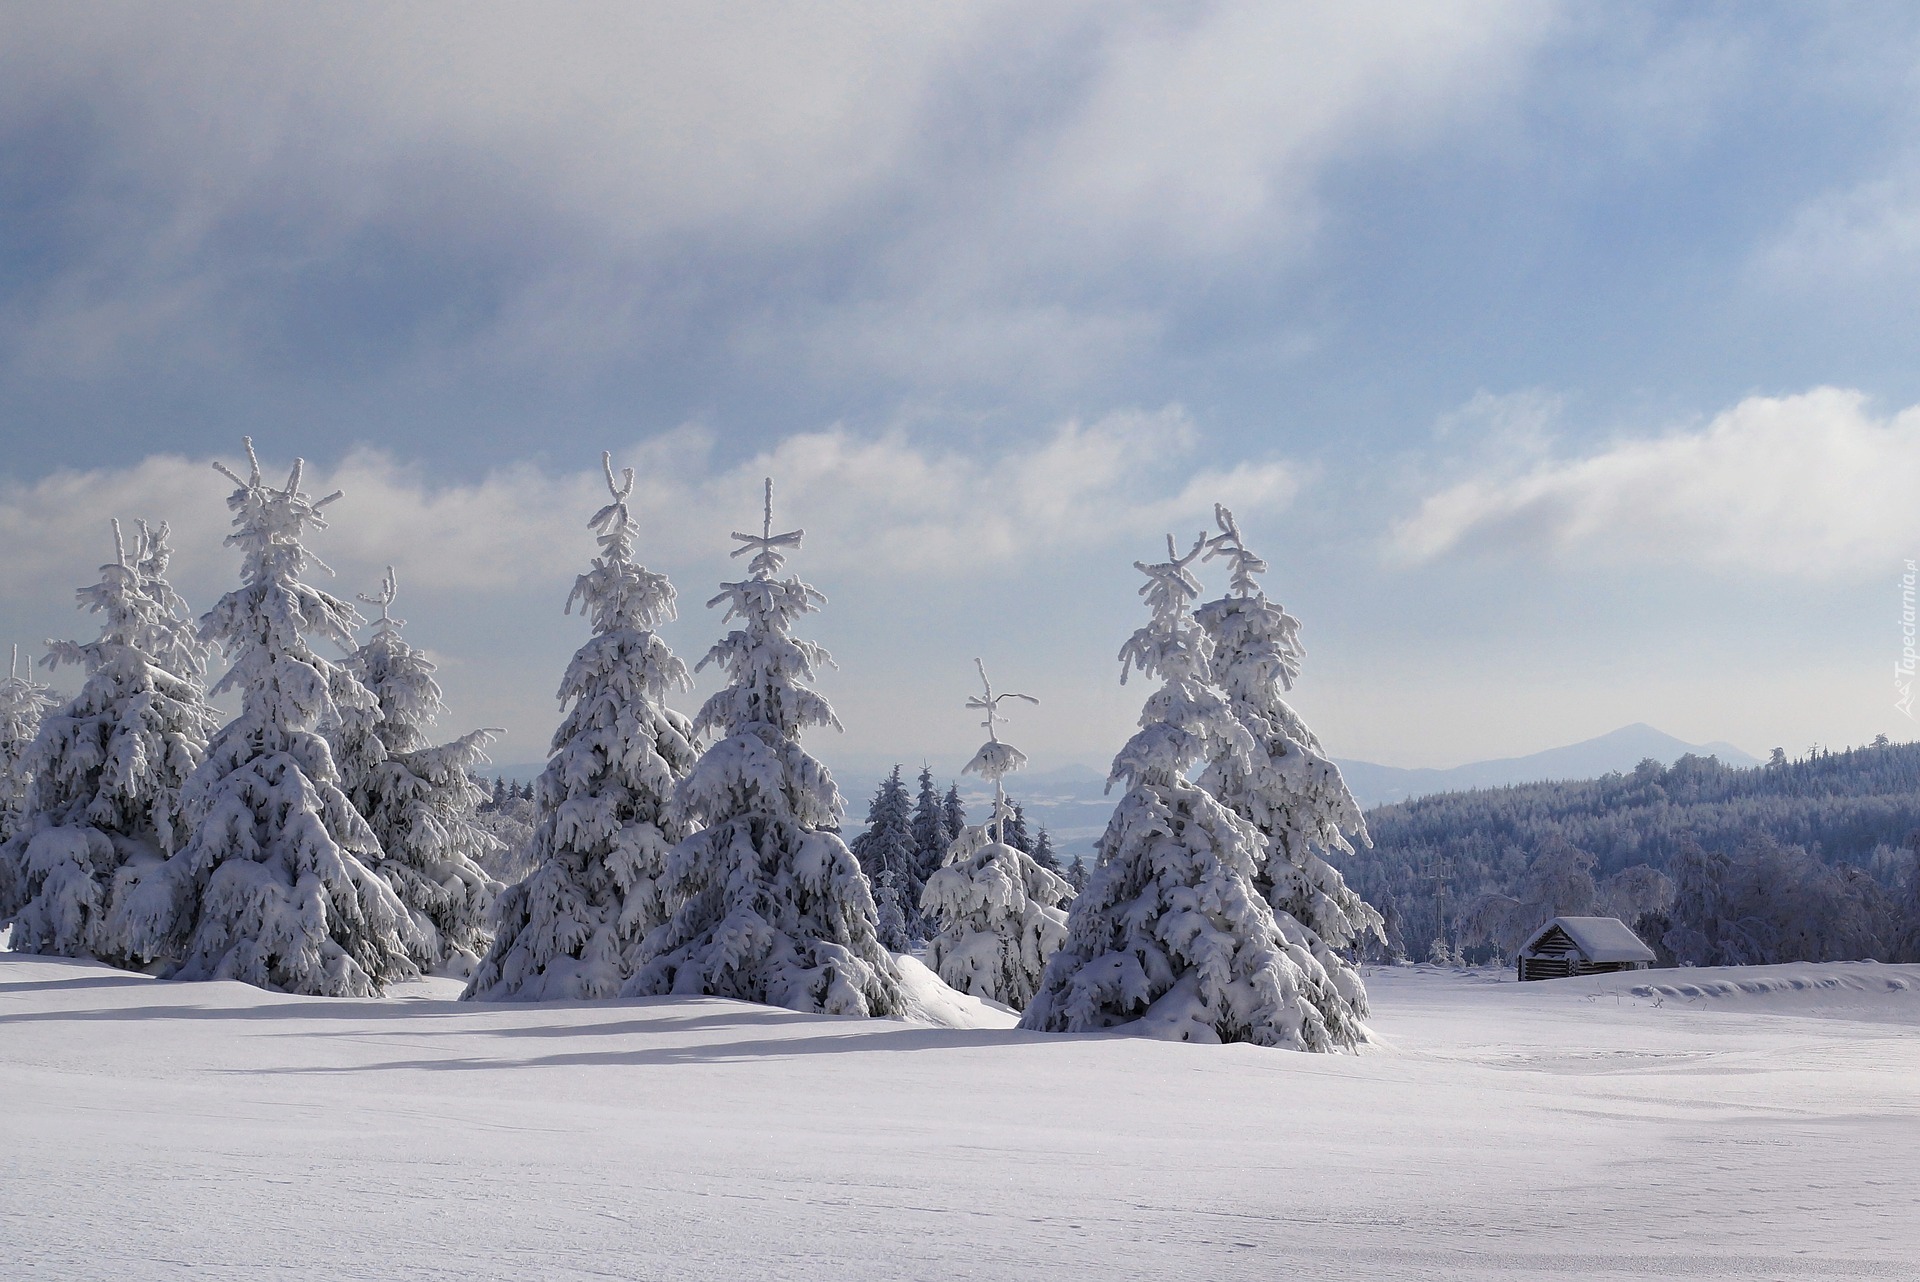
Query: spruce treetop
{"points": [[765, 546], [128, 614], [269, 524], [767, 667], [1246, 568], [384, 598], [1186, 720], [1263, 638], [271, 614], [174, 638], [400, 676], [618, 593], [995, 760], [23, 701]]}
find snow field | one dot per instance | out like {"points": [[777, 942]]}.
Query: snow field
{"points": [[1769, 1128]]}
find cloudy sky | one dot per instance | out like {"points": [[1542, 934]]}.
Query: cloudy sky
{"points": [[1561, 359]]}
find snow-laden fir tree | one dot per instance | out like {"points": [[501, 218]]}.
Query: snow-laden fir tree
{"points": [[993, 910], [1170, 936], [420, 799], [770, 905], [1016, 828], [890, 916], [23, 702], [931, 837], [889, 855], [602, 825], [953, 813], [107, 770], [1076, 874], [887, 842], [1043, 851], [1285, 786], [930, 834], [276, 885]]}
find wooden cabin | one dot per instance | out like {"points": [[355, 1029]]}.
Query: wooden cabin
{"points": [[1581, 946]]}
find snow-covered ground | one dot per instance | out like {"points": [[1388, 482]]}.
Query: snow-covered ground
{"points": [[1760, 1123]]}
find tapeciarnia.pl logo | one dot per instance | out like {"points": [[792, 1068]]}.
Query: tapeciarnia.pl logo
{"points": [[1903, 670]]}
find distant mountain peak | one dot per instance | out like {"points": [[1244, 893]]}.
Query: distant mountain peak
{"points": [[1621, 750]]}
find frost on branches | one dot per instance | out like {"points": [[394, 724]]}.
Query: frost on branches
{"points": [[1284, 786], [23, 702], [770, 905], [173, 637], [108, 768], [276, 886], [602, 825], [420, 800], [994, 910], [1170, 936]]}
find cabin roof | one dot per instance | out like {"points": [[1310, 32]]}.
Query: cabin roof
{"points": [[1601, 939]]}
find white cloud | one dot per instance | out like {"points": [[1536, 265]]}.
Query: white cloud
{"points": [[926, 177], [641, 118], [1858, 236], [1811, 485], [1206, 127], [1509, 429], [881, 502]]}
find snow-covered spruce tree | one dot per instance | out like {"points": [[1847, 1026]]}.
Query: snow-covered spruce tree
{"points": [[770, 905], [1015, 825], [993, 909], [1285, 786], [890, 917], [887, 842], [953, 813], [1043, 851], [889, 855], [276, 887], [602, 823], [107, 772], [1170, 936], [930, 835], [23, 702], [1076, 874], [420, 800]]}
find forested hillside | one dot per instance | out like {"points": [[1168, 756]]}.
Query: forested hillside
{"points": [[1840, 828]]}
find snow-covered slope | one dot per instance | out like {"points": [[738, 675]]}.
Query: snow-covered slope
{"points": [[1766, 1125]]}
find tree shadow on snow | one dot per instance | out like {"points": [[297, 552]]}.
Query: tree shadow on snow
{"points": [[654, 1017], [56, 985], [853, 1041], [21, 977]]}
